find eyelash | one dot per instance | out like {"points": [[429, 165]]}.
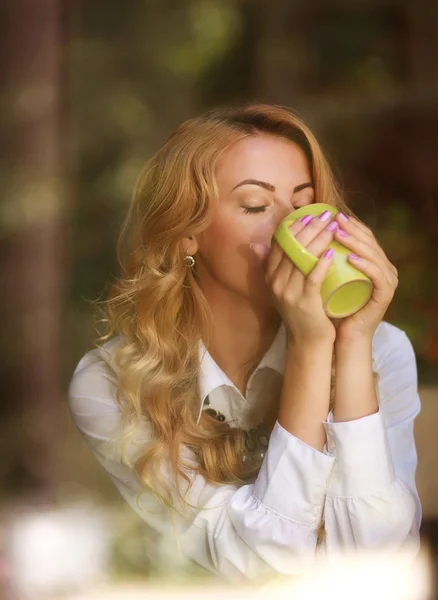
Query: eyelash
{"points": [[255, 209], [252, 210]]}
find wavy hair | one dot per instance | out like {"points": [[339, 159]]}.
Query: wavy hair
{"points": [[158, 307]]}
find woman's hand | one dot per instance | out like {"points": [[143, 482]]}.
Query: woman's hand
{"points": [[367, 256], [296, 297]]}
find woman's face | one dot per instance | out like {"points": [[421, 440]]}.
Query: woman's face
{"points": [[260, 179]]}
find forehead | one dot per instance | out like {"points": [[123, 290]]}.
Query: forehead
{"points": [[273, 159]]}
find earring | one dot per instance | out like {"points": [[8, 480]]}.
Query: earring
{"points": [[190, 261]]}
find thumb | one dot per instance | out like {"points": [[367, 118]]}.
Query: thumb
{"points": [[260, 250]]}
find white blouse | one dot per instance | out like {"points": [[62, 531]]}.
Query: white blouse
{"points": [[364, 480]]}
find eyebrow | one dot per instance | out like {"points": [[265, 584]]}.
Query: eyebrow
{"points": [[269, 186]]}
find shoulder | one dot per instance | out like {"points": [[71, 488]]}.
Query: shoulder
{"points": [[97, 371], [104, 355], [93, 387], [390, 341], [395, 365], [94, 407]]}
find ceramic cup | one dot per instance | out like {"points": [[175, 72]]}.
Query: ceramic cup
{"points": [[345, 289]]}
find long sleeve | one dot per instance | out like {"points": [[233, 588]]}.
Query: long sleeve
{"points": [[372, 501], [238, 532]]}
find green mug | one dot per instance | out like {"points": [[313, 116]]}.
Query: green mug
{"points": [[345, 289]]}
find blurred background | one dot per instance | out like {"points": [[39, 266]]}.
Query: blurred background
{"points": [[89, 90]]}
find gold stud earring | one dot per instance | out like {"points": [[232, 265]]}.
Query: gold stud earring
{"points": [[190, 261]]}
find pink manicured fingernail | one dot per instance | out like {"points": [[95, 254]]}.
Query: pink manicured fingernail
{"points": [[353, 257], [343, 216], [328, 253], [333, 226], [342, 233], [325, 216], [306, 219]]}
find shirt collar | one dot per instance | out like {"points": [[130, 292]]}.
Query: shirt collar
{"points": [[211, 375]]}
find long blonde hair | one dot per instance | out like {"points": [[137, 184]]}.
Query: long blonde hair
{"points": [[158, 306]]}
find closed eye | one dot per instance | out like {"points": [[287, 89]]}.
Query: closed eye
{"points": [[254, 209]]}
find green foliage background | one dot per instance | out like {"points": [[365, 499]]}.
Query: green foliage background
{"points": [[138, 71]]}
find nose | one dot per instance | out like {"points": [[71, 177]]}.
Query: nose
{"points": [[283, 211], [264, 230]]}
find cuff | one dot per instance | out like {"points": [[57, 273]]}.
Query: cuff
{"points": [[292, 481], [363, 458]]}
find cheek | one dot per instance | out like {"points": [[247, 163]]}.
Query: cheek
{"points": [[225, 247], [225, 250], [223, 235], [239, 234], [227, 257]]}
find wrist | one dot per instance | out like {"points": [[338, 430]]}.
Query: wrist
{"points": [[310, 353], [356, 341], [310, 345], [347, 335], [355, 355]]}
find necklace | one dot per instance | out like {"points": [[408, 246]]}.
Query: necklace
{"points": [[256, 439]]}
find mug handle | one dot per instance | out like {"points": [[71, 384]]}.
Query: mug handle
{"points": [[301, 257]]}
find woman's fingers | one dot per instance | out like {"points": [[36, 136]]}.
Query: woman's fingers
{"points": [[275, 258], [353, 225], [314, 281], [361, 247], [324, 235], [314, 234], [275, 262], [357, 230], [368, 251], [297, 229], [305, 292], [308, 288], [289, 276], [383, 290], [313, 228], [261, 251]]}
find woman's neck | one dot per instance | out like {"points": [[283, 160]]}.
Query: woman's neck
{"points": [[241, 337]]}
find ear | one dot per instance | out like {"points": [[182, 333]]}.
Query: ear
{"points": [[190, 245]]}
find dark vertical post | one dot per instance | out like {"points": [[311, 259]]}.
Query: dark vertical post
{"points": [[32, 245]]}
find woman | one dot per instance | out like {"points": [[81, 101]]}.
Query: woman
{"points": [[222, 342]]}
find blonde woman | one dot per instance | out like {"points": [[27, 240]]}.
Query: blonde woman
{"points": [[232, 414]]}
